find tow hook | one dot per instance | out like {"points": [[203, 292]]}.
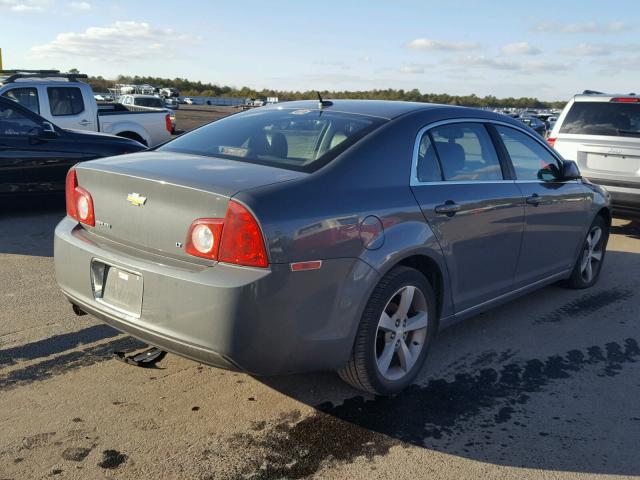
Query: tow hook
{"points": [[146, 359]]}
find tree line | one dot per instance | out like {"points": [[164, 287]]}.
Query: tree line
{"points": [[196, 88]]}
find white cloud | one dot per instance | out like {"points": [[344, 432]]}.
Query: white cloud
{"points": [[491, 63], [586, 50], [413, 68], [117, 42], [81, 6], [438, 45], [22, 6], [520, 48], [585, 27]]}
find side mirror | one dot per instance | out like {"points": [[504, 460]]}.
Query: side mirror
{"points": [[570, 170], [48, 131]]}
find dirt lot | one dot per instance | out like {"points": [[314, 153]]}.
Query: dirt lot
{"points": [[189, 117], [546, 387]]}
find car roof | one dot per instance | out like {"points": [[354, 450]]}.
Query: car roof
{"points": [[601, 97], [387, 109], [390, 109]]}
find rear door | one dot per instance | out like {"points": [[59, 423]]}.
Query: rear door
{"points": [[475, 210], [68, 110], [556, 215]]}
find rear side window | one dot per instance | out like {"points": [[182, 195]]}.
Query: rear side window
{"points": [[303, 139], [603, 118], [65, 101], [466, 152], [428, 165], [530, 160], [27, 97]]}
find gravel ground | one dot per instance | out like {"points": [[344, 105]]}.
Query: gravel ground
{"points": [[544, 387]]}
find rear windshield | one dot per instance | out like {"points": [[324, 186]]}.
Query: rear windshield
{"points": [[149, 102], [301, 139], [603, 118]]}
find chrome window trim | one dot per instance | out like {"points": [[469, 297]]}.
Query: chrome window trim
{"points": [[414, 182]]}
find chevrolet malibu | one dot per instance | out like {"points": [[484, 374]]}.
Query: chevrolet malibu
{"points": [[326, 235]]}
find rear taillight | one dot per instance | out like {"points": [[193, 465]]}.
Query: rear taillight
{"points": [[167, 123], [551, 141], [79, 201], [235, 239], [203, 238]]}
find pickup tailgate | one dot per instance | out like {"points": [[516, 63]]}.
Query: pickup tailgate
{"points": [[148, 200]]}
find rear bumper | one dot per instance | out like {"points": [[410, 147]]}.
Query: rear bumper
{"points": [[263, 321], [625, 197]]}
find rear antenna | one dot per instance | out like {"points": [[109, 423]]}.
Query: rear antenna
{"points": [[323, 103]]}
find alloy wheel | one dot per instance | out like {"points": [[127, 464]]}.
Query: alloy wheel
{"points": [[592, 254], [401, 332]]}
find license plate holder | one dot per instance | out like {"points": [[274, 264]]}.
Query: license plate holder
{"points": [[117, 288]]}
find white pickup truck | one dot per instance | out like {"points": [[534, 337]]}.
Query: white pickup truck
{"points": [[69, 103]]}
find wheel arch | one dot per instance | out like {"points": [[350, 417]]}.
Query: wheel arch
{"points": [[133, 136]]}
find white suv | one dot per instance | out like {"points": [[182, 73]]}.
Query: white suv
{"points": [[601, 133]]}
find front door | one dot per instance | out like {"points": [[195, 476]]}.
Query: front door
{"points": [[555, 211], [474, 212], [28, 161]]}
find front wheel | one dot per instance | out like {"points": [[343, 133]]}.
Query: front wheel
{"points": [[394, 335], [587, 269]]}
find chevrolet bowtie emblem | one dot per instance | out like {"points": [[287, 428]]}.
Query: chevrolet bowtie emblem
{"points": [[136, 199]]}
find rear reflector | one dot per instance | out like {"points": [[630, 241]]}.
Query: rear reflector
{"points": [[551, 142], [626, 99], [299, 266]]}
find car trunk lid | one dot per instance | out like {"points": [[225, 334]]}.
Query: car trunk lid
{"points": [[149, 200]]}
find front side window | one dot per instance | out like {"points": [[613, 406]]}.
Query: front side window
{"points": [[27, 97], [65, 101], [530, 160], [303, 139], [603, 118], [466, 152], [15, 123]]}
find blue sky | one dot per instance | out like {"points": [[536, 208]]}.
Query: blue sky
{"points": [[547, 49]]}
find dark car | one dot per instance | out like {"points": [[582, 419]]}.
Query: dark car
{"points": [[315, 236], [535, 124], [35, 155]]}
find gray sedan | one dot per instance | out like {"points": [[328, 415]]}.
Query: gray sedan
{"points": [[336, 235]]}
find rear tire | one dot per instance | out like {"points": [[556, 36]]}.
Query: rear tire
{"points": [[397, 328], [589, 264]]}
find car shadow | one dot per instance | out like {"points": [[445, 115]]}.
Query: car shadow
{"points": [[630, 228], [547, 382], [26, 227]]}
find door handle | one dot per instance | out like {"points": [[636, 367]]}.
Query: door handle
{"points": [[533, 200], [85, 122], [448, 208]]}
